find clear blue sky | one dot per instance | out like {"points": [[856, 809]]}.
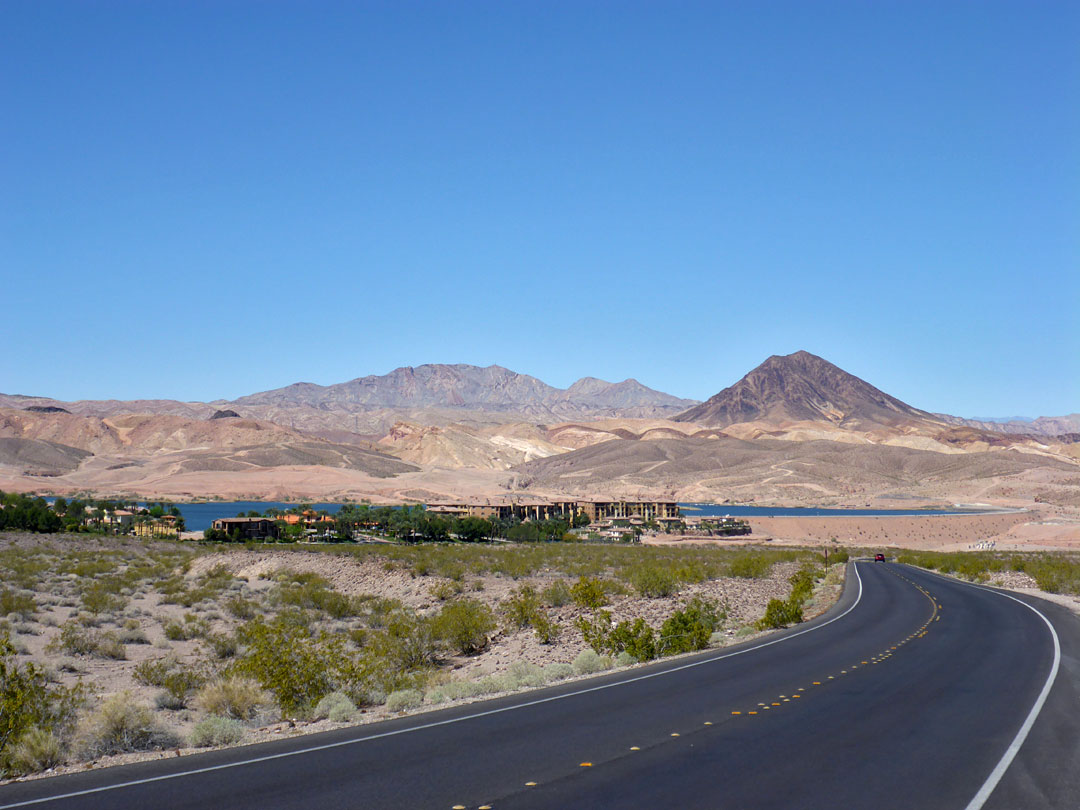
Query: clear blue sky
{"points": [[207, 199]]}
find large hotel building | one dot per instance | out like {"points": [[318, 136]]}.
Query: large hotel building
{"points": [[546, 510]]}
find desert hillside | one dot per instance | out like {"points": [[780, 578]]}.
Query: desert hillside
{"points": [[795, 430]]}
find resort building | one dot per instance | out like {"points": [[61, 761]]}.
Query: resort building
{"points": [[248, 528], [548, 510]]}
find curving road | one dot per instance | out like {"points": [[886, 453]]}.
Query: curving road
{"points": [[913, 691]]}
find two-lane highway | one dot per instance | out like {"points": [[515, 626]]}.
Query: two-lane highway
{"points": [[911, 692]]}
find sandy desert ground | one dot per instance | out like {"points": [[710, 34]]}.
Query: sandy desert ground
{"points": [[1039, 529]]}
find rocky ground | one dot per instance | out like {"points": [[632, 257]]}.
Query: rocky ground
{"points": [[177, 602]]}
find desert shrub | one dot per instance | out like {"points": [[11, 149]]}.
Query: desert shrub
{"points": [[74, 639], [404, 699], [29, 701], [526, 675], [406, 642], [97, 599], [233, 697], [223, 645], [336, 707], [133, 635], [213, 731], [521, 607], [802, 583], [14, 602], [780, 613], [635, 637], [191, 627], [169, 701], [109, 645], [589, 592], [178, 680], [35, 750], [241, 608], [558, 672], [588, 662], [653, 581], [312, 592], [839, 557], [446, 590], [547, 631], [120, 725], [297, 668], [690, 627], [556, 594], [625, 659], [750, 565], [464, 625]]}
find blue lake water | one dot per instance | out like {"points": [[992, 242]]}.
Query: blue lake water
{"points": [[199, 516]]}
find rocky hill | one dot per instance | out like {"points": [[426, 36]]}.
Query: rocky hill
{"points": [[1049, 426], [464, 389], [802, 387]]}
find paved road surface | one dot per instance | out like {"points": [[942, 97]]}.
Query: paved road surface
{"points": [[909, 693]]}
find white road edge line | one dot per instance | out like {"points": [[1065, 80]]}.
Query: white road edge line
{"points": [[1014, 747], [314, 748]]}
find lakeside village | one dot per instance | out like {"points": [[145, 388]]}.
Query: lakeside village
{"points": [[519, 521], [152, 520], [532, 521]]}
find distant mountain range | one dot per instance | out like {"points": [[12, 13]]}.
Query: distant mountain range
{"points": [[795, 429], [491, 389]]}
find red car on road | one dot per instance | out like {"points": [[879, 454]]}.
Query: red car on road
{"points": [[879, 558]]}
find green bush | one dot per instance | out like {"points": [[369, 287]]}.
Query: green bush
{"points": [[547, 631], [286, 661], [97, 600], [521, 608], [464, 625], [556, 594], [215, 731], [780, 613], [690, 627], [589, 592], [241, 608], [29, 701], [407, 642], [223, 645], [653, 581], [14, 602], [838, 557], [750, 565], [802, 583], [634, 637]]}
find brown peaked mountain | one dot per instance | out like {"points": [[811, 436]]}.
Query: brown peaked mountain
{"points": [[464, 388], [802, 387]]}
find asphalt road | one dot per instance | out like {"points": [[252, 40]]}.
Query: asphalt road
{"points": [[914, 691]]}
